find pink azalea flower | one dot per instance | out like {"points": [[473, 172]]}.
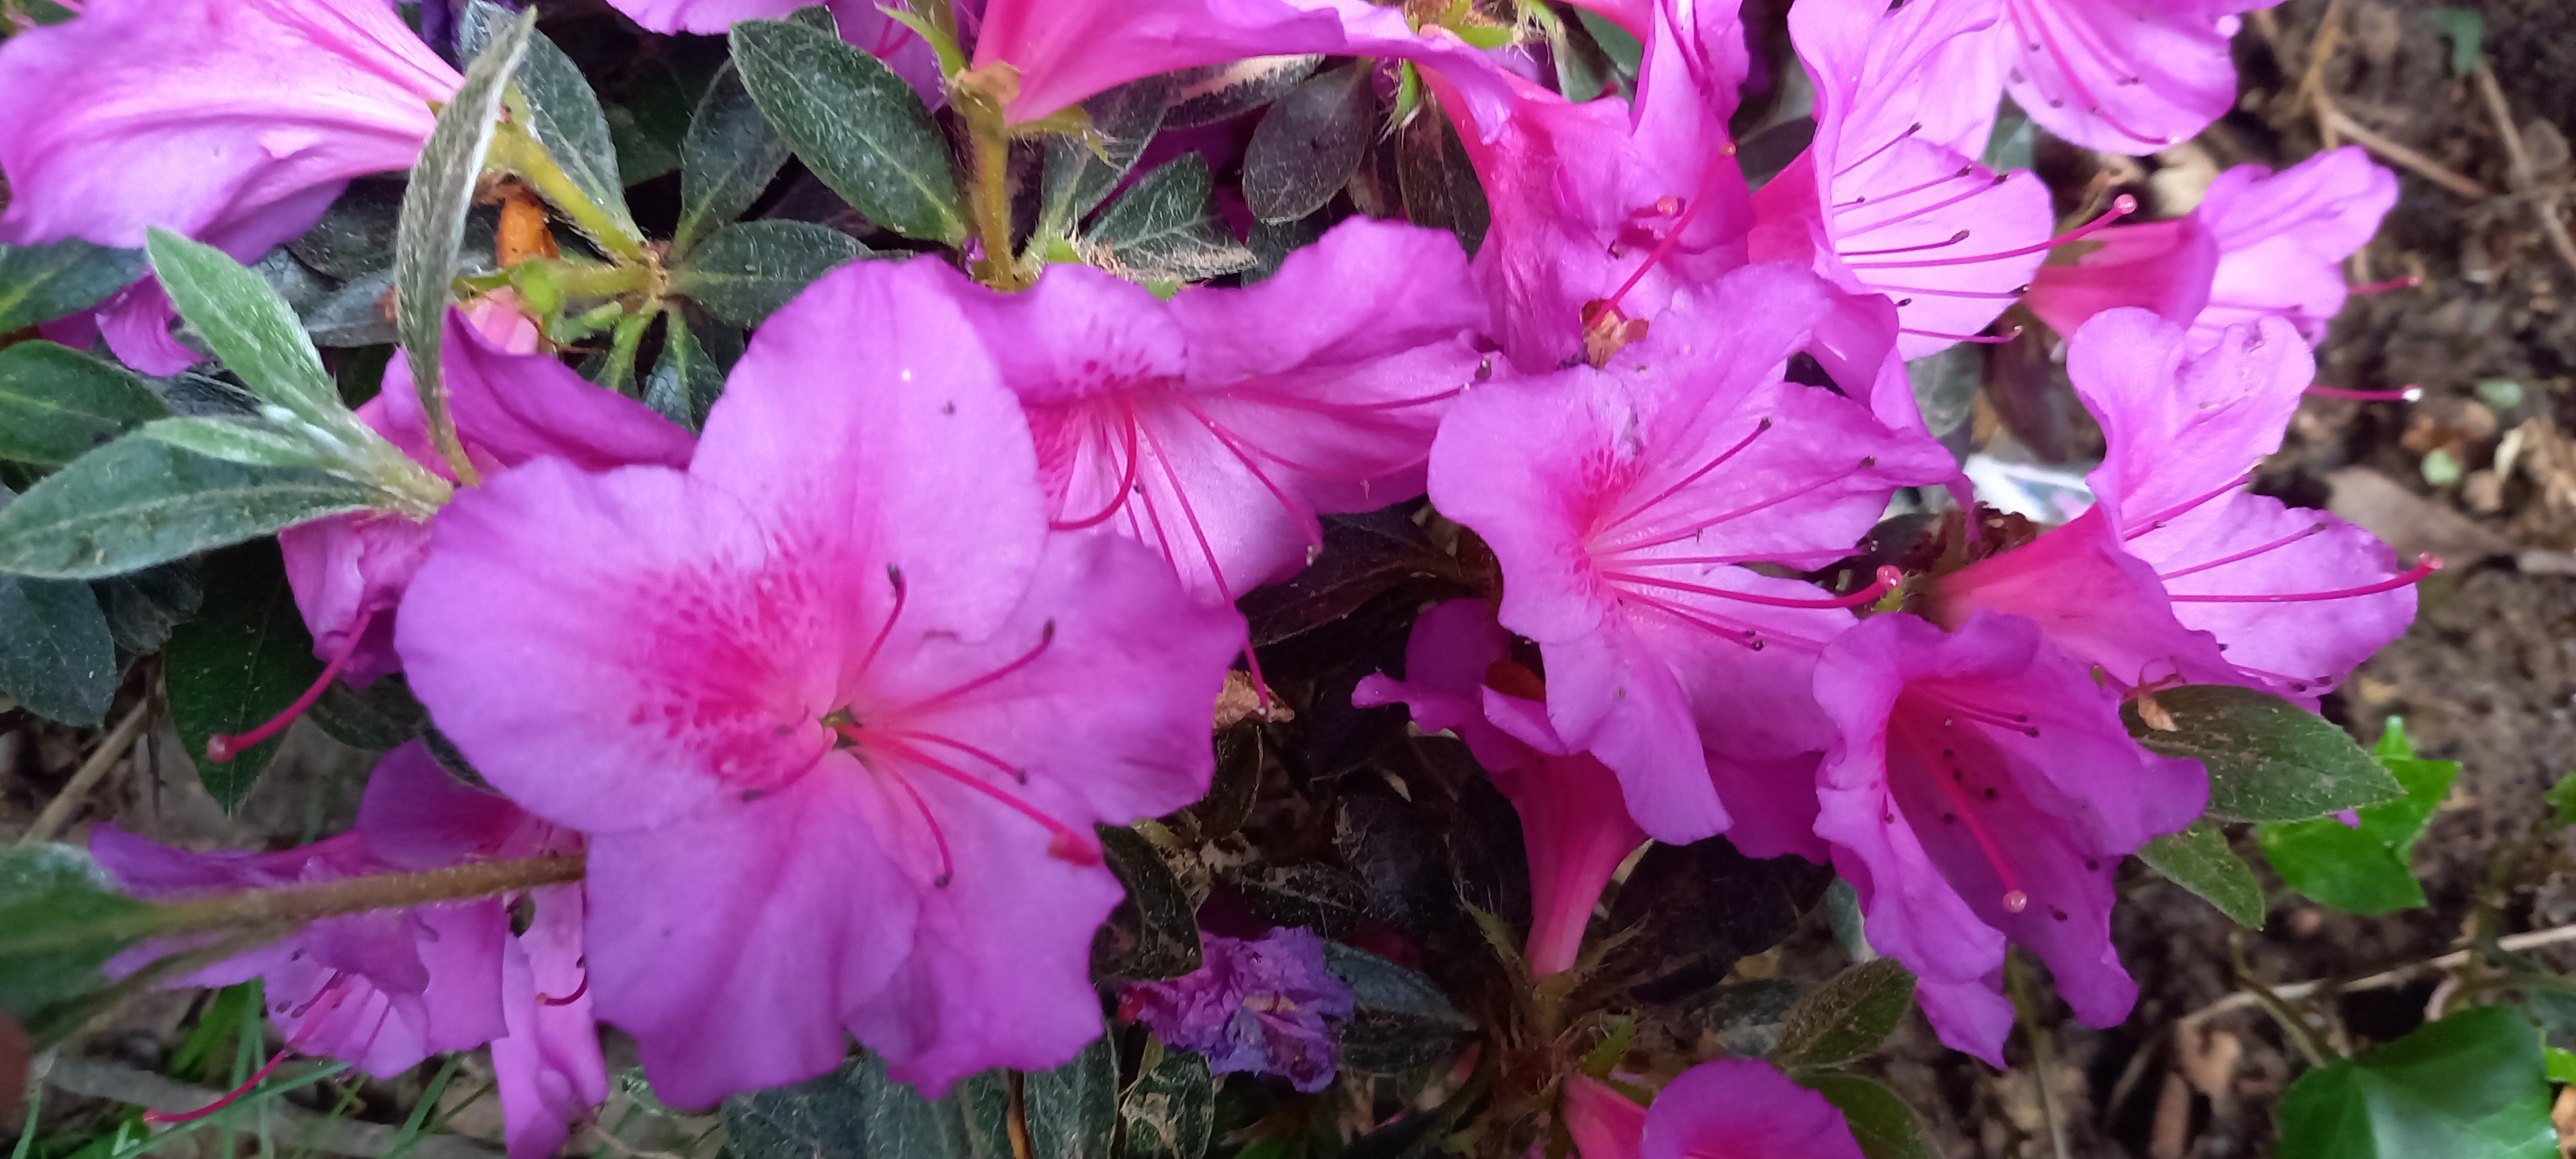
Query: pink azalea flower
{"points": [[1066, 50], [2260, 244], [1213, 428], [235, 122], [1737, 1108], [1600, 202], [511, 404], [835, 710], [1622, 504], [2122, 76], [1981, 789], [863, 23], [1890, 199], [385, 990], [1574, 822]]}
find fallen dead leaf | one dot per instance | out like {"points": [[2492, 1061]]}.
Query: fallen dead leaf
{"points": [[2408, 522]]}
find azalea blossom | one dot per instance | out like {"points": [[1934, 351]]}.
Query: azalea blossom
{"points": [[834, 708], [2122, 76], [2260, 244], [1066, 50], [1215, 427], [235, 122], [1623, 503], [1459, 677], [1890, 199], [1982, 790], [1262, 1005], [1736, 1108]]}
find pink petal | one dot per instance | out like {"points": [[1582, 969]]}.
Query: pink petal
{"points": [[2252, 544], [2164, 266], [2122, 76], [548, 1067], [1743, 1109], [2093, 600], [2181, 425], [1604, 1123], [2282, 238]]}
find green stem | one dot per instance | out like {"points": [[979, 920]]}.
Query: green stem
{"points": [[989, 202], [621, 349], [522, 155]]}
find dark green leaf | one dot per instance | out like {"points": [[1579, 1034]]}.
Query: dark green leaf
{"points": [[855, 1112], [1072, 1111], [2562, 797], [1438, 181], [2471, 1086], [1583, 71], [750, 268], [57, 404], [1154, 934], [1308, 144], [1402, 1022], [1235, 785], [356, 235], [857, 125], [437, 200], [1847, 1017], [1880, 1121], [247, 325], [2466, 29], [2268, 759], [1272, 242], [727, 160], [1747, 1018], [450, 759], [1625, 51], [1363, 555], [53, 892], [1688, 912], [1217, 92], [380, 716], [56, 656], [1489, 859], [1945, 386], [2366, 869], [2010, 145], [357, 314], [2199, 860], [143, 607], [238, 664], [1399, 860], [1164, 229], [685, 380], [39, 283], [250, 441], [1169, 1112], [1123, 121], [137, 502], [563, 113], [1318, 895]]}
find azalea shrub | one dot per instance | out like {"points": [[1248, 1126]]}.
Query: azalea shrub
{"points": [[1175, 578]]}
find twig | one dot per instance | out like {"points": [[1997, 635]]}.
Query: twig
{"points": [[2312, 88], [2426, 167], [2294, 1027], [59, 810], [2385, 978], [2524, 176], [106, 1080]]}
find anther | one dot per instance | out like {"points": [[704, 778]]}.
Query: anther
{"points": [[2121, 206], [2409, 393], [568, 999]]}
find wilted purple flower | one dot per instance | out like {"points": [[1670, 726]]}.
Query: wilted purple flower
{"points": [[1264, 1006]]}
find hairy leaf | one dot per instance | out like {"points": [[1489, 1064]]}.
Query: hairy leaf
{"points": [[1880, 1121], [730, 155], [2199, 860], [39, 283], [1308, 144], [57, 404], [1154, 934], [1078, 179], [1218, 92], [137, 502], [56, 656], [1072, 1111], [2268, 759], [857, 125], [1847, 1017], [248, 326], [564, 114], [238, 664], [750, 268], [1402, 1022], [1164, 229], [50, 895], [1169, 1112]]}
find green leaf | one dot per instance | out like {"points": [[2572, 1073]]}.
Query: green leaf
{"points": [[857, 125], [1164, 228], [56, 656], [435, 205], [137, 502], [729, 157], [2471, 1086], [685, 380], [39, 283], [1402, 1020], [241, 662], [565, 117], [57, 404], [1622, 47], [1847, 1017], [2199, 860], [750, 268], [248, 326], [55, 893], [1880, 1121], [1945, 385], [380, 716], [1222, 92], [1308, 144], [145, 606], [1170, 1110], [2562, 797], [2561, 1064], [1082, 169], [1154, 934], [239, 440], [855, 1112], [2366, 869], [1072, 1111], [2466, 29], [2268, 759], [1438, 181]]}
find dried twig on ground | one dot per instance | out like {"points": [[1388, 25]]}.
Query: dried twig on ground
{"points": [[59, 811], [2514, 943], [2524, 178]]}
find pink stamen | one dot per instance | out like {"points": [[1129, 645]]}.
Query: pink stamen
{"points": [[2248, 553], [1986, 295], [2017, 722], [2121, 206], [2159, 519], [1066, 845], [1873, 154], [2409, 394], [1126, 483], [1953, 239], [1672, 237], [894, 575], [2408, 282], [1014, 772], [221, 747], [1980, 339], [1919, 211], [164, 1118], [1736, 634], [1694, 476], [2425, 565], [938, 836], [1738, 513], [568, 999], [1910, 190], [2015, 899], [1887, 578], [1046, 638]]}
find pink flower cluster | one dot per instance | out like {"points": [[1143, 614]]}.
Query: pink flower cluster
{"points": [[833, 695]]}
